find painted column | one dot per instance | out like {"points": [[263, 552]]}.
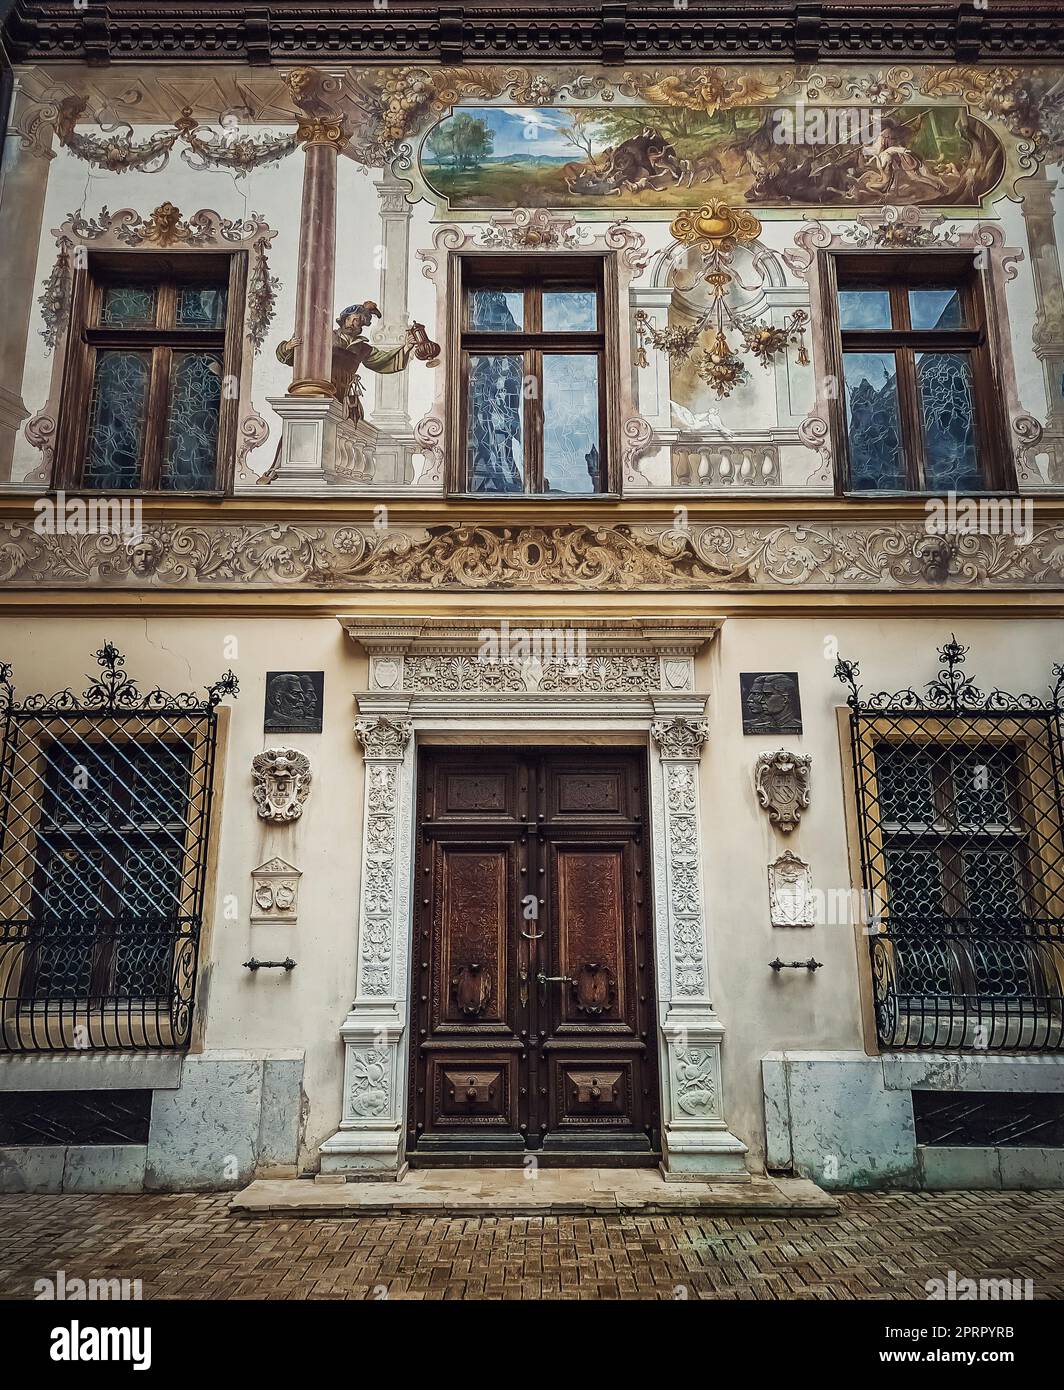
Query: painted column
{"points": [[696, 1140], [23, 187], [390, 408], [1049, 318], [369, 1140], [322, 139]]}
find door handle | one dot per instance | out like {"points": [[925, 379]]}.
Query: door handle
{"points": [[553, 979]]}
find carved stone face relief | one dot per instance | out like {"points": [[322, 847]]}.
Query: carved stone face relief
{"points": [[282, 783], [790, 892], [781, 780]]}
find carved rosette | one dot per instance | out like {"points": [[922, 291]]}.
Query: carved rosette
{"points": [[781, 780]]}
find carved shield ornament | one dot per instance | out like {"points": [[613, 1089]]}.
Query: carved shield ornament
{"points": [[781, 780], [281, 783]]}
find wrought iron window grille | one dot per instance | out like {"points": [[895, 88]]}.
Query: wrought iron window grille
{"points": [[960, 817], [105, 812]]}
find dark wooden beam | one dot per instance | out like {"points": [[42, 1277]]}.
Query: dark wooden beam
{"points": [[286, 31]]}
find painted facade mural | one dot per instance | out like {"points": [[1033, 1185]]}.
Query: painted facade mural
{"points": [[722, 186], [766, 156]]}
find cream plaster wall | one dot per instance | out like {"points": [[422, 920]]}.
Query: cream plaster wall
{"points": [[303, 1009], [763, 1011], [267, 1010]]}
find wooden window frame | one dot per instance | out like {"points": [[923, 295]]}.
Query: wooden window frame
{"points": [[88, 336], [898, 272], [532, 274]]}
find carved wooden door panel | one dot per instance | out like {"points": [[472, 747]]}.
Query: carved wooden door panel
{"points": [[532, 1018]]}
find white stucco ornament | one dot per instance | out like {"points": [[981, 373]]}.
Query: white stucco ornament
{"points": [[275, 893], [281, 783], [790, 891], [781, 780]]}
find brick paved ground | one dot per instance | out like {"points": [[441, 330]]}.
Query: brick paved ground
{"points": [[881, 1246]]}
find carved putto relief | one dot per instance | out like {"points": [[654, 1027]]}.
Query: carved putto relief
{"points": [[781, 780], [281, 783]]}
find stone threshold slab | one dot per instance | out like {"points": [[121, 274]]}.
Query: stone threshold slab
{"points": [[506, 1191]]}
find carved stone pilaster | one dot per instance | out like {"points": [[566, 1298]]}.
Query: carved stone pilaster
{"points": [[438, 675], [368, 1140], [697, 1141]]}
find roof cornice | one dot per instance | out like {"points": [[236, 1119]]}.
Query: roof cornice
{"points": [[300, 31]]}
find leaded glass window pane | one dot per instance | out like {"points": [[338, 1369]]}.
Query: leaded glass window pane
{"points": [[128, 306], [200, 306], [496, 450], [905, 776], [914, 879], [873, 421], [571, 460], [497, 311], [936, 309], [864, 309], [570, 311], [192, 427], [982, 786], [117, 415], [944, 384]]}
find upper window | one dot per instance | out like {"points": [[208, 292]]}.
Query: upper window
{"points": [[532, 372], [917, 392], [143, 399]]}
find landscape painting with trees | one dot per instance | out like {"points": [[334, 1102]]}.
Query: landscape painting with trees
{"points": [[670, 156]]}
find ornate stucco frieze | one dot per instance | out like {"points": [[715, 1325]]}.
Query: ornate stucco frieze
{"points": [[762, 556], [590, 674]]}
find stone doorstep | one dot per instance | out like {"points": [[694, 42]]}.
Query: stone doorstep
{"points": [[496, 1191]]}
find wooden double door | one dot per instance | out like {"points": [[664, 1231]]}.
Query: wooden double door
{"points": [[533, 1023]]}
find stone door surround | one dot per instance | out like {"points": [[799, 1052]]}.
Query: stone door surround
{"points": [[529, 680]]}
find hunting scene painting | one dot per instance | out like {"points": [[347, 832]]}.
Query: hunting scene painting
{"points": [[670, 157]]}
